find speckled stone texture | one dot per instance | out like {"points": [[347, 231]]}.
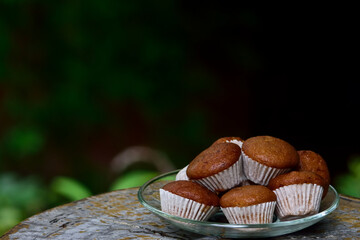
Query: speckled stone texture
{"points": [[119, 215]]}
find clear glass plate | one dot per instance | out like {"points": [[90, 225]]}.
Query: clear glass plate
{"points": [[218, 226]]}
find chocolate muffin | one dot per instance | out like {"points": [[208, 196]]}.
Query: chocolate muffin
{"points": [[235, 140], [253, 204], [313, 162], [298, 194], [219, 167], [265, 157], [188, 200]]}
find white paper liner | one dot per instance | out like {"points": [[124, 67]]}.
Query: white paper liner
{"points": [[298, 200], [225, 179], [260, 173], [181, 175], [237, 142], [247, 183], [254, 214], [183, 207]]}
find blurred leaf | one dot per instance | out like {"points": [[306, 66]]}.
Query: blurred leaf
{"points": [[19, 198], [70, 188], [133, 178], [354, 166], [171, 178], [349, 183], [23, 141], [25, 193], [9, 217]]}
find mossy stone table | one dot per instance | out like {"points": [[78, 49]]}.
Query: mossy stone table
{"points": [[119, 215]]}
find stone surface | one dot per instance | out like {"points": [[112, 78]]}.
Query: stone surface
{"points": [[119, 215]]}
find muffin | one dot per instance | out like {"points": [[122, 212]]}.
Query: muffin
{"points": [[253, 204], [218, 168], [235, 140], [265, 157], [298, 194], [188, 200], [181, 175], [313, 162]]}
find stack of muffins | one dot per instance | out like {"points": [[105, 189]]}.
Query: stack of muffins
{"points": [[250, 181]]}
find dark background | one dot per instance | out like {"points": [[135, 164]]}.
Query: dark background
{"points": [[82, 81]]}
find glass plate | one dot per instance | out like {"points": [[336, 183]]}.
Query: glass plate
{"points": [[217, 225]]}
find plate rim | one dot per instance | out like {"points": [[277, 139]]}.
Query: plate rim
{"points": [[315, 217]]}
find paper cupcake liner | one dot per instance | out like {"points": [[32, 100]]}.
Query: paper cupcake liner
{"points": [[254, 214], [226, 179], [181, 175], [260, 173], [237, 142], [183, 207], [247, 183], [298, 200]]}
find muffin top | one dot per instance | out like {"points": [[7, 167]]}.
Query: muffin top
{"points": [[313, 162], [271, 151], [213, 160], [194, 191], [228, 140], [247, 196], [295, 177]]}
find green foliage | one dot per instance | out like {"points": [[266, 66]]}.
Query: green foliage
{"points": [[20, 142], [69, 188], [76, 80], [25, 193], [349, 183], [19, 198], [9, 217], [82, 80], [96, 67], [134, 178]]}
